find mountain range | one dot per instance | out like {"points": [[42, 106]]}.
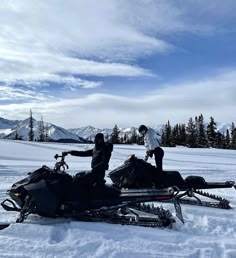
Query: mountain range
{"points": [[9, 129]]}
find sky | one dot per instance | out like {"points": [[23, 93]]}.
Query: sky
{"points": [[107, 62]]}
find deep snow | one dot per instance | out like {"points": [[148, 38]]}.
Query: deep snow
{"points": [[207, 232]]}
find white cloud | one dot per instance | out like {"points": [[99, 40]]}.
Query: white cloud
{"points": [[39, 67], [86, 28], [41, 39], [9, 93], [213, 96]]}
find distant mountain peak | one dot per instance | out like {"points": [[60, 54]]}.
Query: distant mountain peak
{"points": [[9, 129]]}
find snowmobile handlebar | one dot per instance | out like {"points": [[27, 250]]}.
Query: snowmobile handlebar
{"points": [[60, 165]]}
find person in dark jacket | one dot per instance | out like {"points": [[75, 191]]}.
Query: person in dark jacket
{"points": [[101, 154]]}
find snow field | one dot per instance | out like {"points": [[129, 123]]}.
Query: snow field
{"points": [[207, 232]]}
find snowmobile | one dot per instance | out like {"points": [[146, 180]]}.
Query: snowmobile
{"points": [[137, 173], [55, 193]]}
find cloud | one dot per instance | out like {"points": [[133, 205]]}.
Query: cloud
{"points": [[44, 67], [77, 44], [22, 95], [40, 40], [214, 96], [85, 28]]}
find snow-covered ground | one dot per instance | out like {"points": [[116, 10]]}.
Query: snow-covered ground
{"points": [[207, 232]]}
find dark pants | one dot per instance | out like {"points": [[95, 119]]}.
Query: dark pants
{"points": [[159, 154], [97, 177], [91, 177]]}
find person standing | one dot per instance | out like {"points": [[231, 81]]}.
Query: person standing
{"points": [[152, 145]]}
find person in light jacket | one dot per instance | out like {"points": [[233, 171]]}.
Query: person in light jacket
{"points": [[152, 145]]}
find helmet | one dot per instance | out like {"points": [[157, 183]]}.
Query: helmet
{"points": [[142, 129], [99, 138]]}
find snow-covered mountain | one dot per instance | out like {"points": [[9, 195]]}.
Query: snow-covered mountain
{"points": [[223, 127], [6, 124], [21, 129], [89, 132], [8, 129]]}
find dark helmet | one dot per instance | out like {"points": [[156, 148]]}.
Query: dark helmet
{"points": [[99, 138], [142, 129]]}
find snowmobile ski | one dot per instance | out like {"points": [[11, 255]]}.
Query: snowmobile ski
{"points": [[138, 215], [4, 225], [191, 198]]}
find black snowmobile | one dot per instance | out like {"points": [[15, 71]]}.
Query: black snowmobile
{"points": [[137, 173], [54, 193]]}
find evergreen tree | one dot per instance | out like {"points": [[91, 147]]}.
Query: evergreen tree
{"points": [[125, 138], [163, 138], [140, 139], [16, 136], [41, 131], [167, 135], [115, 135], [232, 129], [31, 126], [197, 127], [47, 138], [227, 140], [233, 137], [191, 133], [182, 134], [201, 133], [179, 134], [219, 140], [175, 135], [211, 132], [133, 138], [121, 139]]}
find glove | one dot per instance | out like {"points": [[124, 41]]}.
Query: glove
{"points": [[149, 153], [65, 153]]}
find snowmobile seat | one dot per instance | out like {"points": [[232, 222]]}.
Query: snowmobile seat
{"points": [[101, 191], [171, 178], [195, 181]]}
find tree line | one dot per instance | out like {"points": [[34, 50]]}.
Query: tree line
{"points": [[196, 134], [125, 138]]}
